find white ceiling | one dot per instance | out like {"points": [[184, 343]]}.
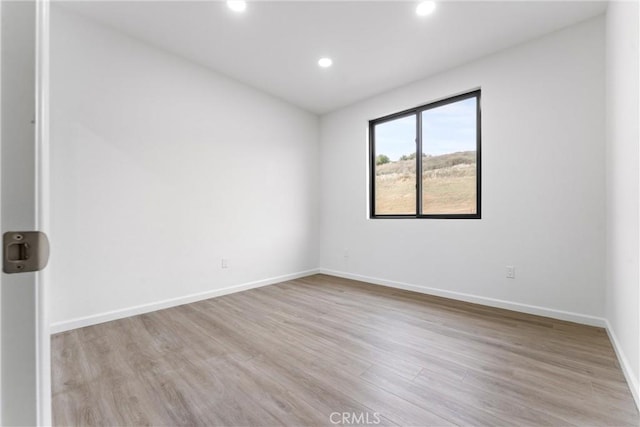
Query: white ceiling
{"points": [[375, 45]]}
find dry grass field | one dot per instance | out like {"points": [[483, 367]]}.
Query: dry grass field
{"points": [[448, 185]]}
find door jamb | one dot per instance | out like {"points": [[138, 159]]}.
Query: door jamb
{"points": [[43, 350]]}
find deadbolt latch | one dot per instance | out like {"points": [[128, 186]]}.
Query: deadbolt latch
{"points": [[24, 251]]}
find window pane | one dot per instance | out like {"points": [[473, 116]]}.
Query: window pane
{"points": [[449, 159], [395, 169]]}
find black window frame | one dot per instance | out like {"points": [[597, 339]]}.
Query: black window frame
{"points": [[417, 112]]}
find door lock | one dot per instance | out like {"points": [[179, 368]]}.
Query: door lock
{"points": [[24, 251]]}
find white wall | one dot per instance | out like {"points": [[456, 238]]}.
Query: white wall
{"points": [[161, 168], [622, 178], [542, 185]]}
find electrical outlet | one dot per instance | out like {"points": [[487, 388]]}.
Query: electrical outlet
{"points": [[224, 263], [511, 272]]}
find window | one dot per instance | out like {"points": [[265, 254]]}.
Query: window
{"points": [[425, 162]]}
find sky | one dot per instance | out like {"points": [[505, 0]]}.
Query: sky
{"points": [[445, 129]]}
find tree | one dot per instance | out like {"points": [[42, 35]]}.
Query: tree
{"points": [[381, 159]]}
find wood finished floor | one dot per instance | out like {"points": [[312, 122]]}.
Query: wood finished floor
{"points": [[296, 352]]}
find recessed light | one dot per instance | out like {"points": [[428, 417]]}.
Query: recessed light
{"points": [[425, 8], [325, 62], [237, 5]]}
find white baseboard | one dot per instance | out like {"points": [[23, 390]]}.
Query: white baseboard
{"points": [[491, 302], [94, 319], [632, 381]]}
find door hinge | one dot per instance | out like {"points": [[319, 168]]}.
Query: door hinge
{"points": [[24, 251]]}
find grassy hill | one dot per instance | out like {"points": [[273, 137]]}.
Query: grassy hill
{"points": [[449, 184], [428, 162]]}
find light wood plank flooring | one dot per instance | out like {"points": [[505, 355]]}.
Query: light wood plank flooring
{"points": [[297, 352]]}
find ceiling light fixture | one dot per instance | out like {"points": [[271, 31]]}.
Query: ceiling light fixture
{"points": [[425, 8], [325, 62], [237, 5]]}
